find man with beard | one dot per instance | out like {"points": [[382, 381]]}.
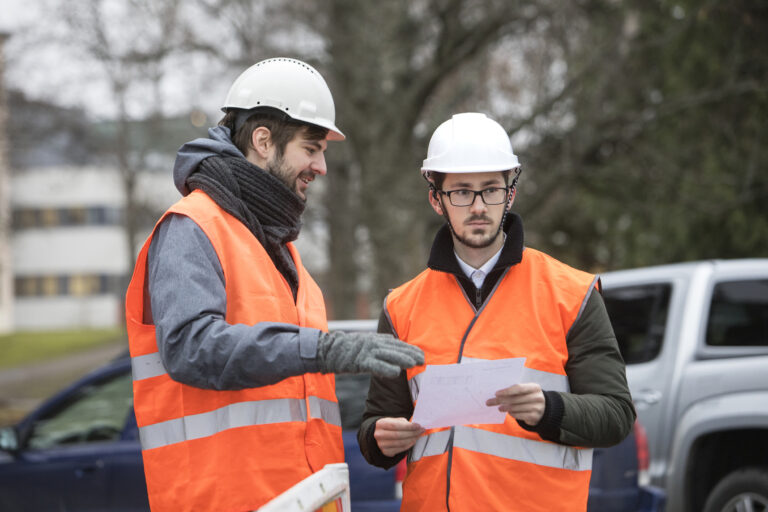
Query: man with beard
{"points": [[484, 296], [232, 362]]}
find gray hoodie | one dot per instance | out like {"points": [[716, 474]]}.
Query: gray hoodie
{"points": [[192, 153], [189, 303]]}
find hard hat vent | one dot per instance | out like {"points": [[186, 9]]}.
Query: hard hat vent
{"points": [[289, 85]]}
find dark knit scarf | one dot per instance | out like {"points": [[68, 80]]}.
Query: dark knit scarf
{"points": [[268, 208]]}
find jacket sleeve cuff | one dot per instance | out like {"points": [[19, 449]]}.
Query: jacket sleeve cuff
{"points": [[308, 337], [549, 425]]}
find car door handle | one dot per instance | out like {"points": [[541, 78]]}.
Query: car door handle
{"points": [[89, 469], [647, 397]]}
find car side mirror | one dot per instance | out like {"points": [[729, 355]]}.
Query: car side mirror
{"points": [[9, 440]]}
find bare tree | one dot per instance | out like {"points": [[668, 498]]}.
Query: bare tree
{"points": [[399, 68], [129, 43], [573, 81]]}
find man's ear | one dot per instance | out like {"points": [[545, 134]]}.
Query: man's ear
{"points": [[261, 142], [434, 201]]}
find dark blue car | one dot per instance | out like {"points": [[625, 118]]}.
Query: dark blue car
{"points": [[80, 451]]}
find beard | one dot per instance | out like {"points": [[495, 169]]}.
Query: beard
{"points": [[288, 175], [476, 243], [278, 168], [479, 244]]}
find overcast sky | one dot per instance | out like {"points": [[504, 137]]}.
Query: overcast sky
{"points": [[60, 74], [16, 13]]}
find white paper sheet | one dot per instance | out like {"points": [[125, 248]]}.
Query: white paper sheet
{"points": [[455, 394]]}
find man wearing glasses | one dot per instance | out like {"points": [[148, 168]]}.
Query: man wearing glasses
{"points": [[484, 296]]}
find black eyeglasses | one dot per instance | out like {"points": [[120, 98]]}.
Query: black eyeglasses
{"points": [[466, 197]]}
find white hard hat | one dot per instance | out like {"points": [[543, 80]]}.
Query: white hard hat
{"points": [[469, 142], [290, 85]]}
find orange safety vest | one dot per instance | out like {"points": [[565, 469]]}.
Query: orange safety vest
{"points": [[494, 467], [231, 450]]}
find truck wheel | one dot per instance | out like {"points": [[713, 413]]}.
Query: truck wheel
{"points": [[745, 489]]}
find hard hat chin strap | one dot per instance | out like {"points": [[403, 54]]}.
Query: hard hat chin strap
{"points": [[512, 187]]}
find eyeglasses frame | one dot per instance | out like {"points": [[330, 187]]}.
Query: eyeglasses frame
{"points": [[476, 193]]}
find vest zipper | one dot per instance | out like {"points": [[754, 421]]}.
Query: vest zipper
{"points": [[448, 471], [478, 309]]}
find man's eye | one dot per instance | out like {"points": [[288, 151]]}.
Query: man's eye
{"points": [[462, 193]]}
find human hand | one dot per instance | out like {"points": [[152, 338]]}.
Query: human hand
{"points": [[395, 435], [524, 402], [366, 352]]}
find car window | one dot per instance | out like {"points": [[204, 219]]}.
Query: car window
{"points": [[639, 316], [351, 391], [96, 412], [738, 315]]}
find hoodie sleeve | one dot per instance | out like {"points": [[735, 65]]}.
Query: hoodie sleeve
{"points": [[197, 346]]}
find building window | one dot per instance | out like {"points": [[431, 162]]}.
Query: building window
{"points": [[49, 217], [23, 219], [79, 285], [50, 286], [27, 287], [82, 285], [72, 216], [29, 218]]}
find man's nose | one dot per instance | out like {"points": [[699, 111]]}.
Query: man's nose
{"points": [[478, 205], [318, 165]]}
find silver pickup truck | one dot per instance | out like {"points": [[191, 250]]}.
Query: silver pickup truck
{"points": [[695, 340]]}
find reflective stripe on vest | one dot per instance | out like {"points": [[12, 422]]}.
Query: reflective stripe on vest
{"points": [[147, 366], [501, 445], [243, 414], [235, 415], [325, 410], [505, 446]]}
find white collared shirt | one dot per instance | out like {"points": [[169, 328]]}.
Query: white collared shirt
{"points": [[477, 275]]}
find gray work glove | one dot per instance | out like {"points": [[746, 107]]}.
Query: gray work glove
{"points": [[365, 352]]}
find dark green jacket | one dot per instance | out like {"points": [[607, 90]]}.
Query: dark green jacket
{"points": [[598, 410]]}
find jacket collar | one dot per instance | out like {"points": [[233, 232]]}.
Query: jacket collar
{"points": [[443, 259]]}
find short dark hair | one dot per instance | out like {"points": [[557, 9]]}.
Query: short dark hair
{"points": [[439, 177], [281, 127]]}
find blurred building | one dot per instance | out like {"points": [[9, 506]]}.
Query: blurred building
{"points": [[67, 241], [69, 245], [6, 271]]}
